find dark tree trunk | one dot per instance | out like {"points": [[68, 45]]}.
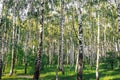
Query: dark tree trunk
{"points": [[80, 57], [1, 64], [38, 60], [112, 63], [26, 68]]}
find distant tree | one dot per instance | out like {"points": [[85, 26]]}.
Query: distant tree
{"points": [[110, 59]]}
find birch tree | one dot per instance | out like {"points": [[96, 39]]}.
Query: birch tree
{"points": [[62, 37], [80, 38], [13, 38], [98, 44], [1, 62], [26, 50], [118, 10], [39, 52]]}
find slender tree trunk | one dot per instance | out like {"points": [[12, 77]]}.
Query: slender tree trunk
{"points": [[38, 60], [13, 40], [119, 33], [18, 36], [71, 53], [76, 67], [98, 45], [62, 37], [25, 66], [1, 55], [59, 54], [80, 38], [3, 48], [56, 74], [26, 50], [80, 57], [5, 36], [67, 57], [104, 45], [50, 53]]}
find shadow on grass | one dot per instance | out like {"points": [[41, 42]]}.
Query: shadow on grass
{"points": [[86, 76], [53, 77], [110, 72], [117, 79], [30, 71]]}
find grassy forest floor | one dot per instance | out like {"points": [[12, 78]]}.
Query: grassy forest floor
{"points": [[49, 73]]}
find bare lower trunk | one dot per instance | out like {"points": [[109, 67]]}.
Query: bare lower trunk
{"points": [[50, 53], [37, 69], [26, 68], [76, 67], [1, 68], [67, 53], [56, 74], [71, 53], [12, 63]]}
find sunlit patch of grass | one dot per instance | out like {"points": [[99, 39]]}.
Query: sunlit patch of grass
{"points": [[107, 78], [16, 77], [47, 74], [111, 75], [7, 76]]}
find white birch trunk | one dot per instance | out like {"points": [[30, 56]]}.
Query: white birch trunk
{"points": [[98, 44]]}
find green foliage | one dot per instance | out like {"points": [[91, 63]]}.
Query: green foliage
{"points": [[111, 59], [44, 61], [31, 58], [19, 54]]}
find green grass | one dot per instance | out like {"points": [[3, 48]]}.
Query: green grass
{"points": [[49, 73]]}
